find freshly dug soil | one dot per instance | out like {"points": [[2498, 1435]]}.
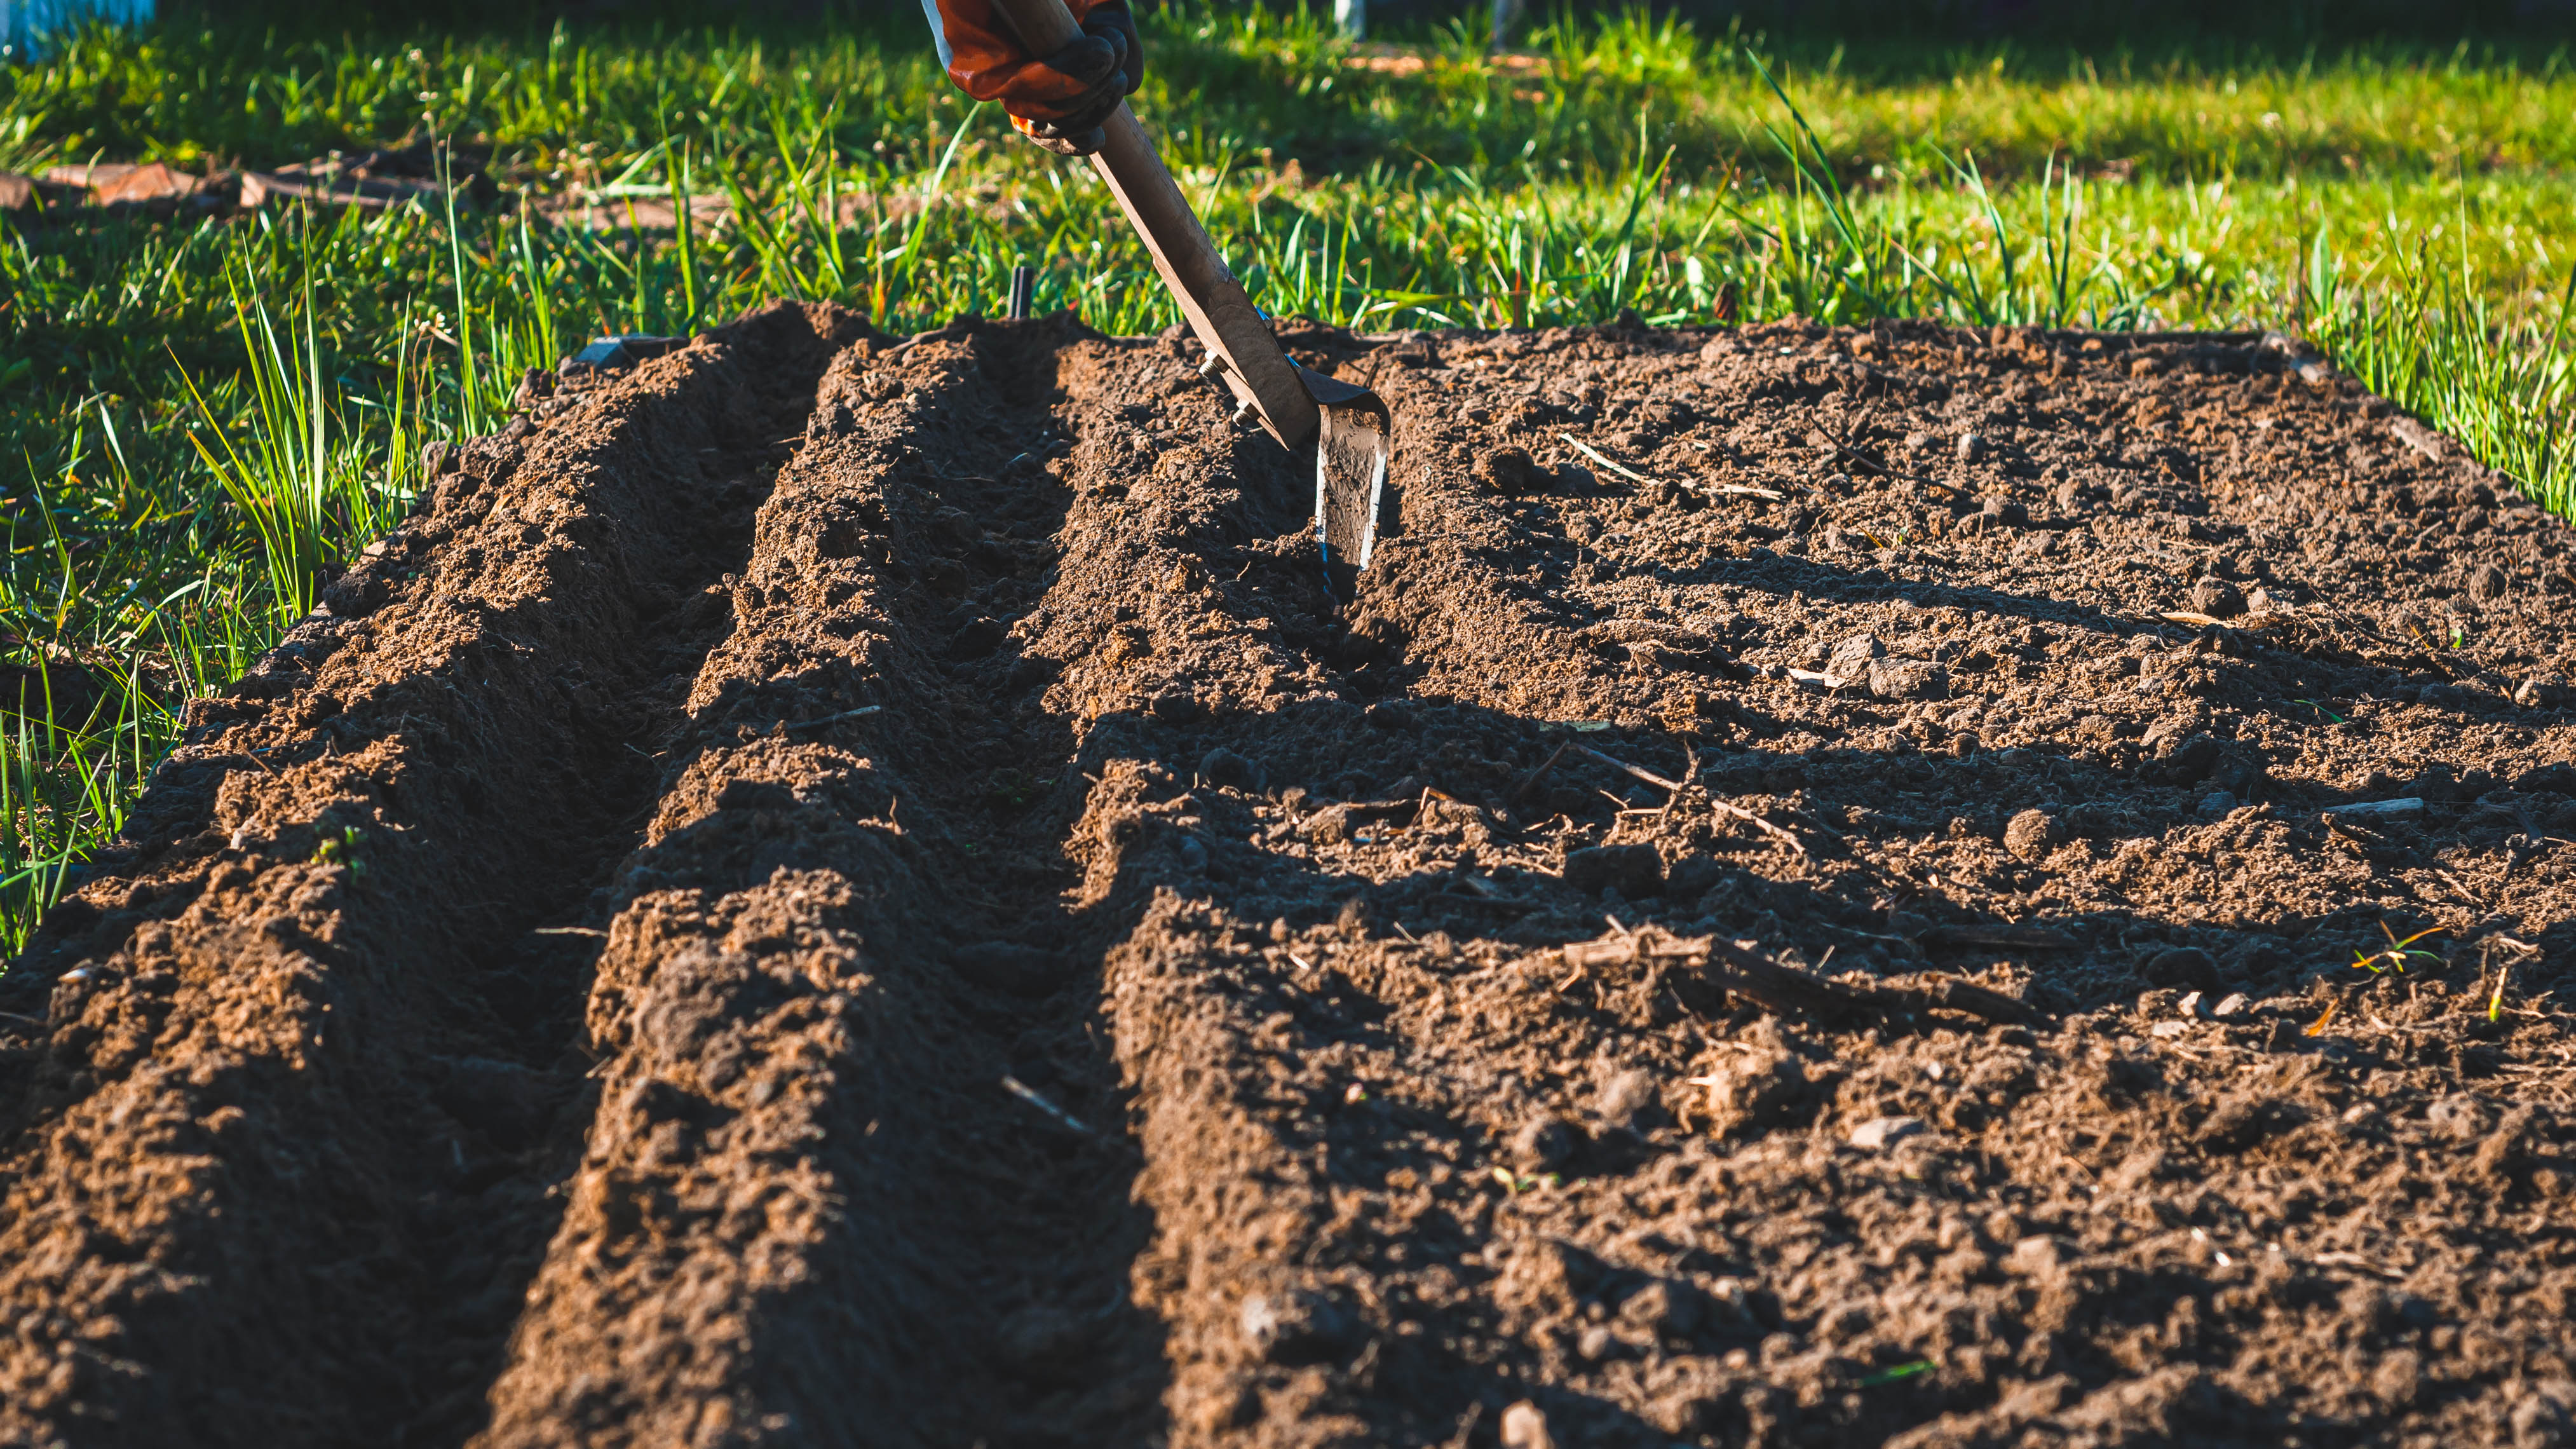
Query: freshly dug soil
{"points": [[834, 891]]}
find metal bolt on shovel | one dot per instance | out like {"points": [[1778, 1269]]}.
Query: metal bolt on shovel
{"points": [[1350, 426]]}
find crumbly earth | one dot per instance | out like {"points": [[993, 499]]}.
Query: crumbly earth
{"points": [[827, 890]]}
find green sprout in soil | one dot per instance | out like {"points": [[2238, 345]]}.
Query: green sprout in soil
{"points": [[342, 849], [1517, 1183], [2504, 973], [2399, 952]]}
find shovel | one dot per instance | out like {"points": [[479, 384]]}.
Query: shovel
{"points": [[1349, 426]]}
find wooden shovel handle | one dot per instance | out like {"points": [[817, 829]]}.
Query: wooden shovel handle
{"points": [[1045, 26], [1256, 370]]}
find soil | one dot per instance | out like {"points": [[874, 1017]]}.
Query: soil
{"points": [[827, 890]]}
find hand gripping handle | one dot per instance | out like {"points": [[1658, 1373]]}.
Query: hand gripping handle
{"points": [[1255, 370]]}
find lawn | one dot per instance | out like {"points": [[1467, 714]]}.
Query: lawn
{"points": [[204, 416]]}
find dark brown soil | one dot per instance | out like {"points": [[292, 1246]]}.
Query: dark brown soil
{"points": [[833, 892]]}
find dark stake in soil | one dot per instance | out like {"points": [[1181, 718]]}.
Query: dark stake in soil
{"points": [[827, 891]]}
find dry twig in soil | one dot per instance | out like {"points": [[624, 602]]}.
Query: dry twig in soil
{"points": [[1738, 968]]}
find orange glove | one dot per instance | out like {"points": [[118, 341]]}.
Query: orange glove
{"points": [[1058, 100]]}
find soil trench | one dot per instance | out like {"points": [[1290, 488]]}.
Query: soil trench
{"points": [[277, 1172], [810, 1211], [841, 891]]}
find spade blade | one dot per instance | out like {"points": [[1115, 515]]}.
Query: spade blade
{"points": [[1351, 451]]}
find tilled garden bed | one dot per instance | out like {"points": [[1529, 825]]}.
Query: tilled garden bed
{"points": [[1831, 887]]}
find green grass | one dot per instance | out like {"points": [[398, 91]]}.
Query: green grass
{"points": [[204, 419]]}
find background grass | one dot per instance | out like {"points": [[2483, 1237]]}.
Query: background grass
{"points": [[203, 418]]}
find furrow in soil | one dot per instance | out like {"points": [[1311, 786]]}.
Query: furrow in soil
{"points": [[276, 1165], [860, 1171]]}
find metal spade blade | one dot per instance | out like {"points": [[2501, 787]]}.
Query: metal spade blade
{"points": [[1351, 451]]}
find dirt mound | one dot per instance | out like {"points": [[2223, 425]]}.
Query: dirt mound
{"points": [[833, 890]]}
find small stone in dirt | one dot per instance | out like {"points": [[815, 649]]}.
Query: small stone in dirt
{"points": [[1632, 870], [1007, 966], [1514, 472], [2190, 1005], [2377, 812], [1971, 447], [2217, 598], [1544, 1144], [1755, 1090], [2460, 1116], [2031, 834], [2185, 966], [1850, 658], [2002, 512], [2037, 1256], [1225, 769], [2542, 691], [2488, 584], [1908, 679], [1628, 1098], [1524, 1427], [1879, 1132], [2399, 1379], [1296, 1327], [2233, 1004], [1194, 855]]}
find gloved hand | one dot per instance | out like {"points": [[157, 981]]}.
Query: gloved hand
{"points": [[1114, 58], [1059, 100]]}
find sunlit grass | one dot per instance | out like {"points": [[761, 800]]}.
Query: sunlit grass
{"points": [[203, 419]]}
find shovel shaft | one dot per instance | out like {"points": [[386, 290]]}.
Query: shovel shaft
{"points": [[1256, 371]]}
